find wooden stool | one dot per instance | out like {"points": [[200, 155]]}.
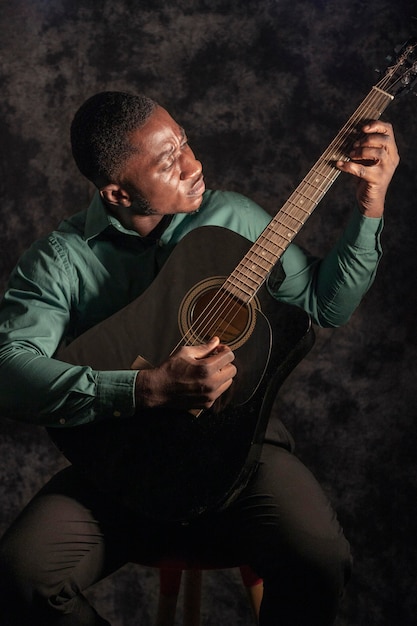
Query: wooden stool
{"points": [[170, 581]]}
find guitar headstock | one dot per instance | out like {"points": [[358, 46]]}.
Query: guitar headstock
{"points": [[401, 77]]}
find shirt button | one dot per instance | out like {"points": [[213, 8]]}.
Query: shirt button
{"points": [[62, 420], [116, 413]]}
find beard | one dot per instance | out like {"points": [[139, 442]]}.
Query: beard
{"points": [[141, 206]]}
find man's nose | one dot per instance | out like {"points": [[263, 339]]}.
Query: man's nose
{"points": [[190, 166]]}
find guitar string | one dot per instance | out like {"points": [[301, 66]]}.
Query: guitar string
{"points": [[222, 294], [338, 142], [230, 299], [323, 170], [250, 255]]}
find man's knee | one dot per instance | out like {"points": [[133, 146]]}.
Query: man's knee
{"points": [[25, 602]]}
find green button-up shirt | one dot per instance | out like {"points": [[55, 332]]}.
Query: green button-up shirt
{"points": [[91, 266]]}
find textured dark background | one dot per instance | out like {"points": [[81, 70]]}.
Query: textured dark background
{"points": [[261, 87]]}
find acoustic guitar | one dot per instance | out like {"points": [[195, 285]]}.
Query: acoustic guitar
{"points": [[176, 465]]}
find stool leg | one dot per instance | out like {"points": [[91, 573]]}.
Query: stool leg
{"points": [[192, 597], [255, 594], [254, 589], [169, 585], [170, 581]]}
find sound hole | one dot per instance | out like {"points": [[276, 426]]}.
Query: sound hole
{"points": [[209, 311]]}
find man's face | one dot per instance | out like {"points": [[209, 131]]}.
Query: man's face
{"points": [[163, 177]]}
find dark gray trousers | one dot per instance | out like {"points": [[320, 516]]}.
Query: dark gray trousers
{"points": [[282, 525]]}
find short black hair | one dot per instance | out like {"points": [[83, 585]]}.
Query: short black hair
{"points": [[100, 133]]}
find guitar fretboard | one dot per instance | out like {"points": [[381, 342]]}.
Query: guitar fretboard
{"points": [[256, 265]]}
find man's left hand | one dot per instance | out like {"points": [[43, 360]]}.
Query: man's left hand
{"points": [[373, 159]]}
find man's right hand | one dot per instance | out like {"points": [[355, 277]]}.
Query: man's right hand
{"points": [[193, 377]]}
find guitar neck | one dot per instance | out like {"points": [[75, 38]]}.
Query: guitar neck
{"points": [[255, 267]]}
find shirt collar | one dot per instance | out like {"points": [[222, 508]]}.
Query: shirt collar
{"points": [[99, 219]]}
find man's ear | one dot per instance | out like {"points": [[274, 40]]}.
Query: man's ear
{"points": [[116, 195]]}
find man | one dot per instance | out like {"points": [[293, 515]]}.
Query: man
{"points": [[150, 193]]}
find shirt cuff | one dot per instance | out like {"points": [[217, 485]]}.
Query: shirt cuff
{"points": [[363, 231], [116, 393]]}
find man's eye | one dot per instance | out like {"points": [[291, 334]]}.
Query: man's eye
{"points": [[169, 164]]}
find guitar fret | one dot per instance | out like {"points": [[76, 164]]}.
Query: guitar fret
{"points": [[285, 231], [264, 261], [303, 191], [239, 288], [289, 221], [315, 188], [279, 240], [255, 280], [292, 215], [253, 270], [270, 236], [329, 175], [246, 281], [300, 208], [318, 178], [261, 262], [244, 278], [263, 255], [251, 266]]}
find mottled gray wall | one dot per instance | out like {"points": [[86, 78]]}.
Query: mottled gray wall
{"points": [[261, 87]]}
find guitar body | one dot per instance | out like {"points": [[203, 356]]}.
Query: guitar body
{"points": [[176, 465]]}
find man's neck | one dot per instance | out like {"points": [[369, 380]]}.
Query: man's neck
{"points": [[141, 224]]}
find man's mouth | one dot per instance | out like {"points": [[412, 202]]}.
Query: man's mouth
{"points": [[198, 188]]}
